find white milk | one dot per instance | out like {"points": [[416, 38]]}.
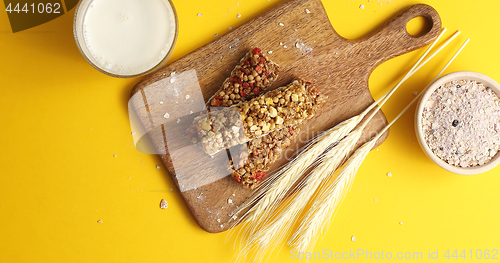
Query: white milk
{"points": [[128, 37]]}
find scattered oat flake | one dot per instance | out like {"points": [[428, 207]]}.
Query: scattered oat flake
{"points": [[400, 223], [178, 120], [199, 14], [238, 15], [353, 238], [133, 133], [222, 225], [114, 155], [163, 204], [161, 102], [233, 195], [376, 200], [218, 220], [229, 201], [307, 11], [172, 80], [284, 46], [157, 167], [281, 24], [415, 93], [234, 217], [166, 116], [389, 174], [362, 6], [190, 112], [99, 221], [172, 73], [187, 97], [230, 28], [281, 43], [216, 35]]}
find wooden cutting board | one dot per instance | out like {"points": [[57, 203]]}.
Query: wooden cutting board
{"points": [[306, 46]]}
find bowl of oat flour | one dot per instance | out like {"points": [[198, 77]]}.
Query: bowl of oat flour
{"points": [[458, 122]]}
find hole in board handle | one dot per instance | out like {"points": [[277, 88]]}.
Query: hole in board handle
{"points": [[419, 26]]}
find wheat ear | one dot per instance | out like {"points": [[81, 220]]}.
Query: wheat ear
{"points": [[334, 158], [273, 190], [312, 150], [324, 208]]}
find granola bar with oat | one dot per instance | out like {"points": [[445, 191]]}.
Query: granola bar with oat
{"points": [[277, 109], [255, 160], [254, 74]]}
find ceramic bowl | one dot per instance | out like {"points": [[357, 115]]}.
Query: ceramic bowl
{"points": [[461, 75]]}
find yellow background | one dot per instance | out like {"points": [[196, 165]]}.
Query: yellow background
{"points": [[62, 121]]}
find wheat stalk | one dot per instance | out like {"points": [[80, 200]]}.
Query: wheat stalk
{"points": [[282, 180], [259, 228], [322, 210], [274, 189], [327, 202], [276, 230], [275, 186]]}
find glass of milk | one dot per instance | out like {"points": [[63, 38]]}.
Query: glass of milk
{"points": [[126, 38]]}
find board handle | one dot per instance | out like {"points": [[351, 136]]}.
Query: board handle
{"points": [[392, 39]]}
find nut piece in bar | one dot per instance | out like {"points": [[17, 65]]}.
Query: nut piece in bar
{"points": [[277, 109], [254, 74]]}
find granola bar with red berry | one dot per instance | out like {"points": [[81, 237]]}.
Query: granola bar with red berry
{"points": [[254, 74], [258, 155], [289, 105]]}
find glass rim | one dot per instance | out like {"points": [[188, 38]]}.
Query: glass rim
{"points": [[151, 70]]}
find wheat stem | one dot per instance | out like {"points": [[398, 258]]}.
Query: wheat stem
{"points": [[423, 91], [418, 65], [275, 230], [260, 228], [267, 196], [323, 209], [333, 135]]}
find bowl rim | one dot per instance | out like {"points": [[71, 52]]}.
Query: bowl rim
{"points": [[459, 75]]}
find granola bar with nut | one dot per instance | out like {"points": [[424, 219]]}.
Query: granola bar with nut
{"points": [[255, 158], [254, 74], [220, 129], [277, 109], [250, 78]]}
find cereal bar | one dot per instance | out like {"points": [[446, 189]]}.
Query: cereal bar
{"points": [[254, 160], [220, 129], [249, 79], [277, 109]]}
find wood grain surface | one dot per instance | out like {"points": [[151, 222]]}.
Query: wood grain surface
{"points": [[339, 68]]}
